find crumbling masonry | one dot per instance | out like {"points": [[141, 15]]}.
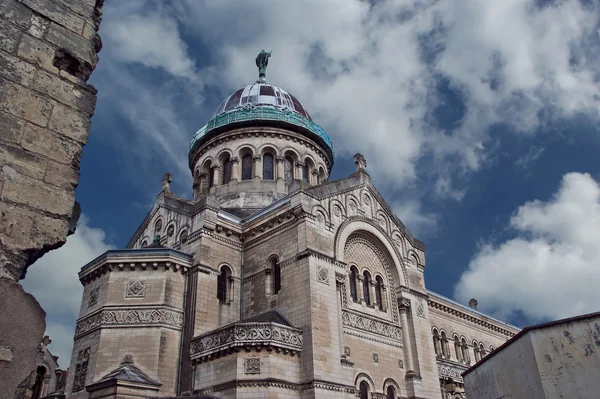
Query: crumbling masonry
{"points": [[48, 50]]}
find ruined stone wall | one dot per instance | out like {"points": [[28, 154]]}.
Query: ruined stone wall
{"points": [[48, 49]]}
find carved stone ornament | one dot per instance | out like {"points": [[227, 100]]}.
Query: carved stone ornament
{"points": [[151, 317], [158, 226], [450, 371], [170, 231], [166, 182], [347, 351], [401, 363], [136, 289], [375, 357], [144, 244], [420, 309], [247, 334], [371, 325], [253, 365], [366, 200], [322, 275], [360, 161], [94, 296], [337, 211]]}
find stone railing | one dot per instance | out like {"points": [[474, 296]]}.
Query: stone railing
{"points": [[247, 335], [448, 369]]}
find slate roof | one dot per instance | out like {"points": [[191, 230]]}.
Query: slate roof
{"points": [[128, 372], [270, 316]]}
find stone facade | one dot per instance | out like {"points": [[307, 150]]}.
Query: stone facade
{"points": [[555, 360], [270, 282], [47, 52]]}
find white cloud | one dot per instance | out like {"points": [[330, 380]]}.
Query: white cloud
{"points": [[550, 269], [134, 35], [532, 155], [368, 73], [417, 221], [54, 283]]}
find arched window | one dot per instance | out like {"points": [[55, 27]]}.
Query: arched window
{"points": [[465, 351], [444, 339], [436, 343], [391, 392], [458, 348], [481, 351], [226, 167], [247, 167], [365, 286], [353, 275], [223, 286], [378, 292], [276, 278], [305, 173], [268, 167], [322, 178], [476, 351], [38, 386], [288, 169], [364, 390]]}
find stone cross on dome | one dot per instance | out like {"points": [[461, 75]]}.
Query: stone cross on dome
{"points": [[262, 60]]}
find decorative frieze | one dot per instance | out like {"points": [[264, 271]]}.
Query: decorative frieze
{"points": [[450, 370], [142, 317], [379, 327], [247, 335]]}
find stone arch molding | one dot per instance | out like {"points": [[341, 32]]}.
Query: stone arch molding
{"points": [[356, 225], [364, 377]]}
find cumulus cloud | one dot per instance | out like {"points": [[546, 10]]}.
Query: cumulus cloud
{"points": [[134, 34], [532, 155], [550, 268], [415, 218], [54, 283]]}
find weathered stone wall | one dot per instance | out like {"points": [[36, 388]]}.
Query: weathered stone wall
{"points": [[47, 52]]}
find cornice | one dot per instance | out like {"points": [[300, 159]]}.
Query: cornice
{"points": [[278, 383], [478, 320]]}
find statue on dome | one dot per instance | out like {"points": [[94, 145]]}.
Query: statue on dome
{"points": [[262, 60]]}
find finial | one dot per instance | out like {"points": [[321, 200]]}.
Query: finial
{"points": [[166, 182], [128, 359], [262, 60], [360, 161]]}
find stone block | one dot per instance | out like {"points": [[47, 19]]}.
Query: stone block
{"points": [[65, 92], [25, 190], [24, 103], [9, 37], [37, 52], [23, 326], [15, 69], [10, 128], [39, 25], [84, 8], [16, 12], [56, 11], [70, 123], [23, 161], [72, 42], [89, 30], [52, 145], [63, 176]]}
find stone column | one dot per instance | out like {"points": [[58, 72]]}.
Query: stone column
{"points": [[359, 288], [216, 175], [384, 298], [372, 292], [298, 170], [235, 169], [314, 177], [404, 307], [279, 168], [257, 166], [339, 286]]}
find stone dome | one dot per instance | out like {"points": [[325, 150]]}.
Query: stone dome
{"points": [[261, 104]]}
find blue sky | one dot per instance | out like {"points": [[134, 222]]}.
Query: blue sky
{"points": [[478, 120]]}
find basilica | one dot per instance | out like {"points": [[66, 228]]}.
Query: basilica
{"points": [[272, 281]]}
